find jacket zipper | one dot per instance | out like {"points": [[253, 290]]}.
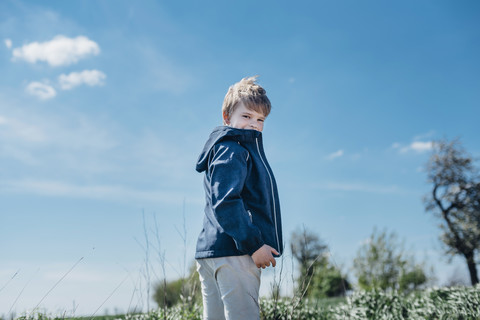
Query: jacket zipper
{"points": [[273, 195], [250, 215]]}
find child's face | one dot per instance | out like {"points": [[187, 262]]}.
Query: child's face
{"points": [[244, 118]]}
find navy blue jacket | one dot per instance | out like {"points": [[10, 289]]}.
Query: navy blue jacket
{"points": [[242, 211]]}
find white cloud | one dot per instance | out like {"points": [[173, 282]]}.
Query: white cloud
{"points": [[59, 51], [416, 146], [334, 155], [420, 146], [41, 90], [88, 77], [8, 43]]}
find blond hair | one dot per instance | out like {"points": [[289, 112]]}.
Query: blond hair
{"points": [[248, 92]]}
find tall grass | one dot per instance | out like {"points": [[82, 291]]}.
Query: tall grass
{"points": [[457, 303]]}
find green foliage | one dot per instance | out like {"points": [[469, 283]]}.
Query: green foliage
{"points": [[170, 293], [382, 264], [412, 280], [317, 278], [328, 281]]}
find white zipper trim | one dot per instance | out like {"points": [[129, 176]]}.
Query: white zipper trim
{"points": [[248, 153], [210, 162], [250, 214], [273, 196]]}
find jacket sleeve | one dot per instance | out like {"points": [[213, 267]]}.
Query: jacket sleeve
{"points": [[228, 172]]}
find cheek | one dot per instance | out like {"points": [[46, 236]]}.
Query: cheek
{"points": [[242, 122], [239, 123]]}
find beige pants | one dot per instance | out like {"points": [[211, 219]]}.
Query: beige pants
{"points": [[230, 288]]}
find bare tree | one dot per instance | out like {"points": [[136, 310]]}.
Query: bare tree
{"points": [[455, 199]]}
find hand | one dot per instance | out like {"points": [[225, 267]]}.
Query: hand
{"points": [[263, 256]]}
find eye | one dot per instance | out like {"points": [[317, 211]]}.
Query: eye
{"points": [[261, 120], [246, 116]]}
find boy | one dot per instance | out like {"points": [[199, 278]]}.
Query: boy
{"points": [[242, 228]]}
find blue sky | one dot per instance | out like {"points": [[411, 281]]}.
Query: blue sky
{"points": [[105, 105]]}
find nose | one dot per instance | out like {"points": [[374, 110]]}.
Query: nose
{"points": [[254, 125]]}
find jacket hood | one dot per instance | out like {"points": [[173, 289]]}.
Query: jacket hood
{"points": [[223, 133]]}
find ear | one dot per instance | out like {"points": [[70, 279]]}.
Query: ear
{"points": [[226, 119]]}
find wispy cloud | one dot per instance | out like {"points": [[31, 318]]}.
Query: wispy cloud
{"points": [[41, 90], [18, 129], [8, 43], [424, 136], [359, 187], [59, 51], [88, 77], [335, 155], [70, 140], [77, 147], [163, 72], [100, 191]]}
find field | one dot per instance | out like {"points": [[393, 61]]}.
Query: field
{"points": [[458, 303]]}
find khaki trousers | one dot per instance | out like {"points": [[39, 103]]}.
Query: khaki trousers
{"points": [[230, 288]]}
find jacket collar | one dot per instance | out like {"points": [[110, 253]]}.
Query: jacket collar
{"points": [[222, 133]]}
